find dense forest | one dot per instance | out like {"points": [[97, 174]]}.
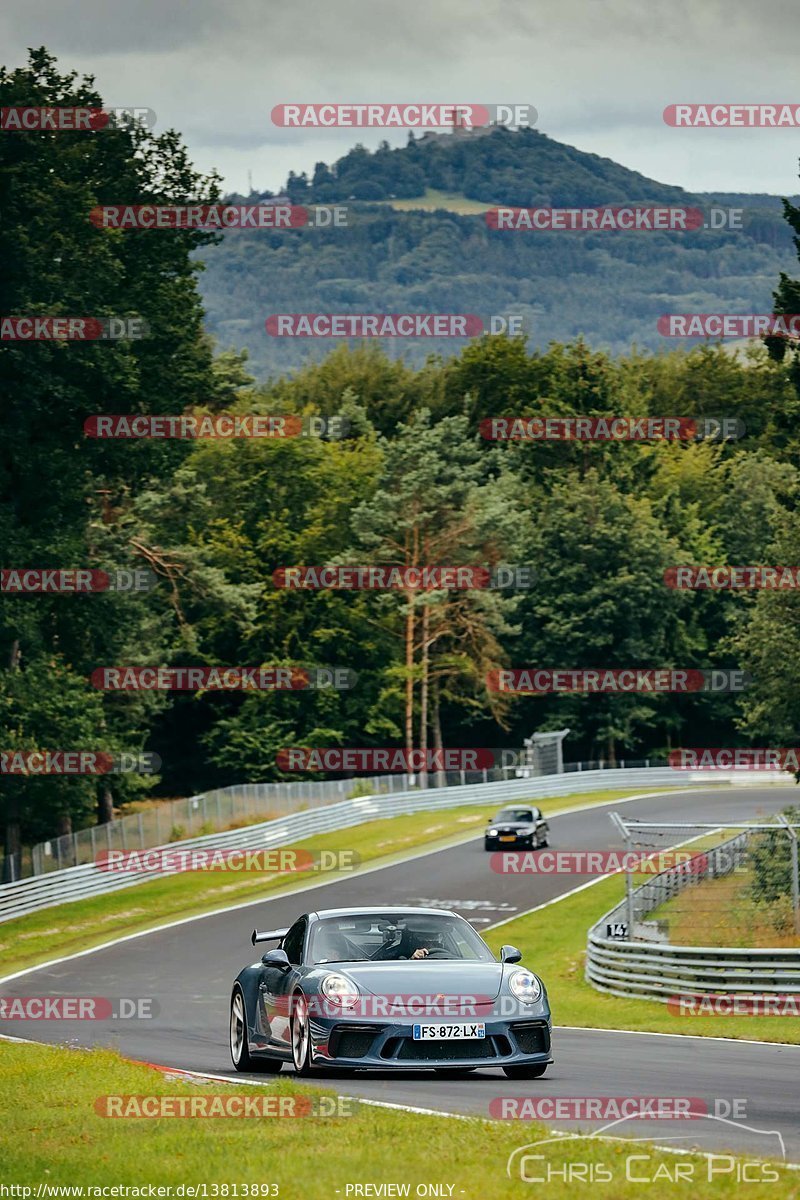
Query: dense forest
{"points": [[411, 481]]}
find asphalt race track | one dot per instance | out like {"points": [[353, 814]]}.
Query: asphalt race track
{"points": [[189, 968]]}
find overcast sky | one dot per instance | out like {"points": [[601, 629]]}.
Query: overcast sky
{"points": [[599, 72]]}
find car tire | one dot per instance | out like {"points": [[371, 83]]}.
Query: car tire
{"points": [[240, 1054], [301, 1036], [543, 842], [487, 846], [526, 1071]]}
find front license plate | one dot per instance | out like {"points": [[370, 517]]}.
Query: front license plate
{"points": [[508, 838], [449, 1033]]}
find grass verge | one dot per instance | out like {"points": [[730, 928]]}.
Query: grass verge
{"points": [[434, 200], [58, 1138], [68, 928], [553, 943], [724, 912]]}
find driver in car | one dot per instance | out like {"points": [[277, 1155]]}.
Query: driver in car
{"points": [[409, 945]]}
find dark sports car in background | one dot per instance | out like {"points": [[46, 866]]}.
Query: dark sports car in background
{"points": [[388, 988], [520, 826]]}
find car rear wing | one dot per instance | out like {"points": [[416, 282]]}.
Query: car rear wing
{"points": [[270, 935]]}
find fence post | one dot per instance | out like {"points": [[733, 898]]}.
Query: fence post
{"points": [[795, 872]]}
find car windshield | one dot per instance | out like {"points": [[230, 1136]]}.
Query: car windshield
{"points": [[515, 814], [394, 937]]}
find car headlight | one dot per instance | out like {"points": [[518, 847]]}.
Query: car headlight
{"points": [[340, 990], [525, 986], [491, 831]]}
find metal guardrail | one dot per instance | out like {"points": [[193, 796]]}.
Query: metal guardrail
{"points": [[76, 883], [660, 971], [176, 820]]}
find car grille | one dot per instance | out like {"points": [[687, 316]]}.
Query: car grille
{"points": [[448, 1049], [352, 1042], [532, 1037]]}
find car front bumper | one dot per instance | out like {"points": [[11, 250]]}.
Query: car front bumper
{"points": [[390, 1044]]}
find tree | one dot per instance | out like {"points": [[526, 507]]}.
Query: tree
{"points": [[436, 504], [60, 263]]}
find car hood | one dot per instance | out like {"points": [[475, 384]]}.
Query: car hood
{"points": [[455, 979]]}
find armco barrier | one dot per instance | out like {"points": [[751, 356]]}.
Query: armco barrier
{"points": [[75, 883], [659, 971], [245, 803]]}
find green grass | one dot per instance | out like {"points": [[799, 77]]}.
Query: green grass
{"points": [[553, 943], [57, 1137], [724, 912], [67, 928], [434, 200]]}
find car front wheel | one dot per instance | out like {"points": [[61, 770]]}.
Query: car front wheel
{"points": [[532, 1071], [301, 1036]]}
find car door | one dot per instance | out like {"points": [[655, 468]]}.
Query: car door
{"points": [[276, 987], [542, 828]]}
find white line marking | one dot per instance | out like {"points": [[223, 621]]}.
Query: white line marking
{"points": [[703, 1037], [282, 893]]}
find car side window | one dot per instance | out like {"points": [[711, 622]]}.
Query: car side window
{"points": [[293, 942], [537, 814]]}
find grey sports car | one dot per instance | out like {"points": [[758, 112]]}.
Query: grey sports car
{"points": [[388, 988]]}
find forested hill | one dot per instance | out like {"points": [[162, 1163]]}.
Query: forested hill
{"points": [[522, 168], [417, 241]]}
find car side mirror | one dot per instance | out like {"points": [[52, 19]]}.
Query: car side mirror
{"points": [[276, 958], [510, 954]]}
